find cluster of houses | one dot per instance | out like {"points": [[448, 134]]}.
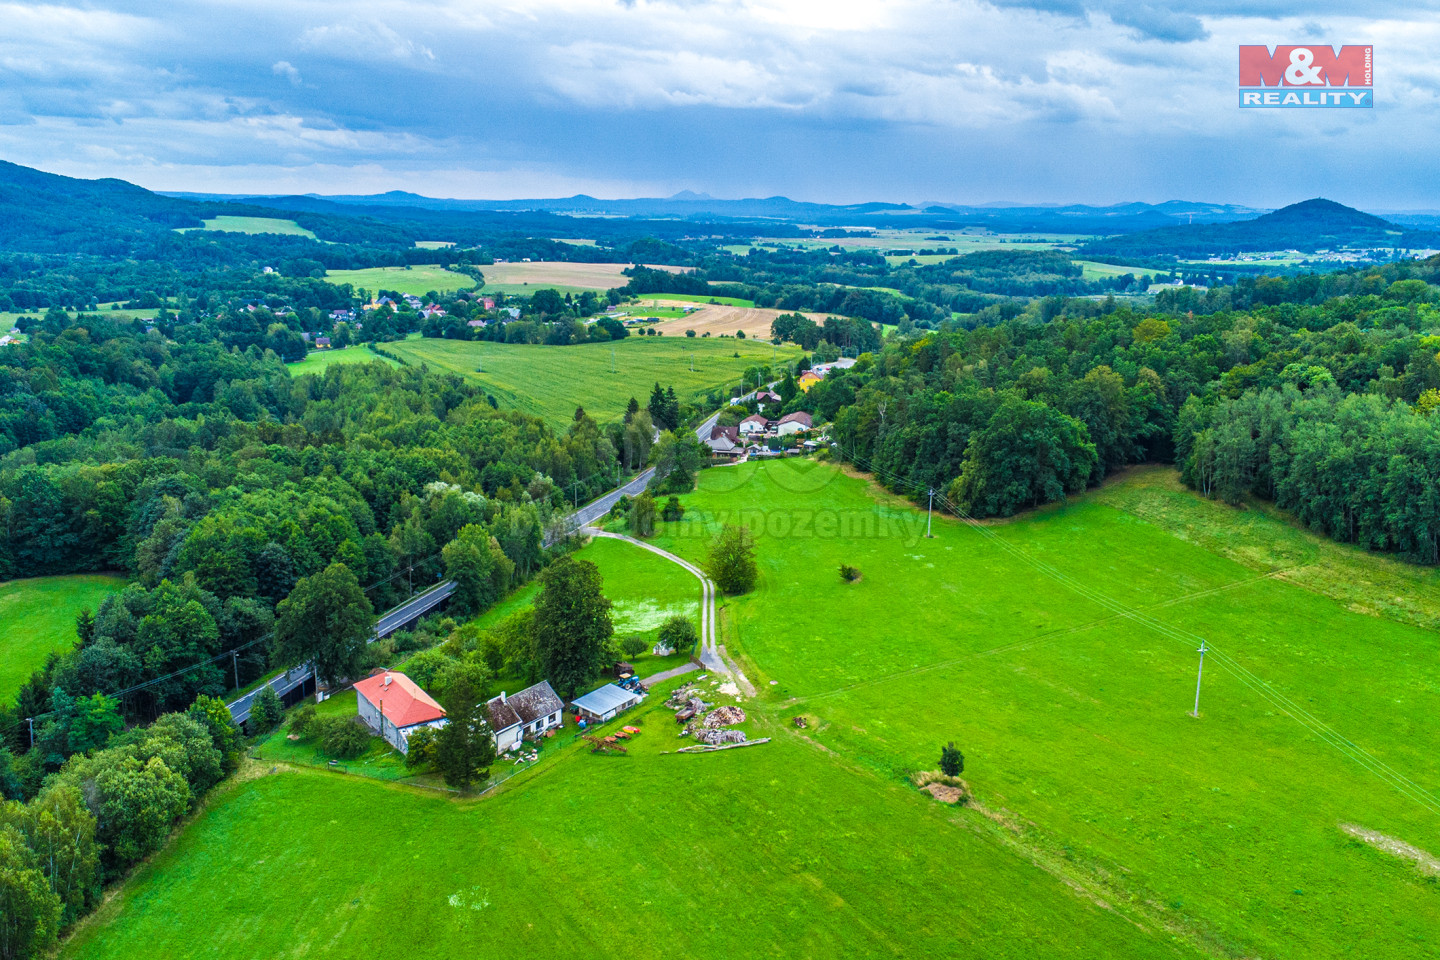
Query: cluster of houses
{"points": [[746, 438], [12, 337], [425, 310], [394, 707]]}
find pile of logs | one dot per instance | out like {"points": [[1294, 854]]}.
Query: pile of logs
{"points": [[717, 737], [724, 716]]}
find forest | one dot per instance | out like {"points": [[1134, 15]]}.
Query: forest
{"points": [[1319, 395]]}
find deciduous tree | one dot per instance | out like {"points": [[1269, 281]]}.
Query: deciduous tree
{"points": [[572, 624], [328, 619]]}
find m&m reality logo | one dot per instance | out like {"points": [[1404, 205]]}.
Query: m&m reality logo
{"points": [[1308, 76]]}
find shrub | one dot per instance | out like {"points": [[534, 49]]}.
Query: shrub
{"points": [[952, 761], [303, 720], [420, 748], [848, 573], [266, 710], [633, 645], [672, 510], [341, 737], [689, 333], [679, 633]]}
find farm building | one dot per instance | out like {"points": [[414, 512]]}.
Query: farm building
{"points": [[394, 706], [529, 713], [793, 423], [605, 703]]}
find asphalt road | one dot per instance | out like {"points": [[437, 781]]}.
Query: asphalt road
{"points": [[393, 620], [283, 684]]}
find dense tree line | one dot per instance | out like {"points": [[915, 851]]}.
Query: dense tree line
{"points": [[239, 499], [105, 809], [1326, 408]]}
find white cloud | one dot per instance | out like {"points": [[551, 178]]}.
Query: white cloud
{"points": [[363, 40], [807, 96], [284, 68]]}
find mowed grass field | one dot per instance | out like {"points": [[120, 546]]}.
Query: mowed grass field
{"points": [[1107, 821], [37, 617], [602, 377], [255, 225], [1074, 718], [526, 278], [317, 360], [775, 850], [722, 318], [417, 280]]}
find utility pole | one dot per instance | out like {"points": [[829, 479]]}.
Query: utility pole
{"points": [[235, 665], [1198, 677], [930, 512], [31, 722]]}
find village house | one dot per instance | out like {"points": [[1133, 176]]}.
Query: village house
{"points": [[488, 303], [796, 422], [532, 712], [724, 443], [754, 425], [476, 324], [767, 396], [432, 310], [394, 706], [808, 379]]}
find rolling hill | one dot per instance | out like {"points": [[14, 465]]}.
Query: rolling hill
{"points": [[1307, 226]]}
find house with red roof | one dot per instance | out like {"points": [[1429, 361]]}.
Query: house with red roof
{"points": [[394, 706]]}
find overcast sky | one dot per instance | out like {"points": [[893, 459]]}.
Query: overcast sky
{"points": [[1094, 101]]}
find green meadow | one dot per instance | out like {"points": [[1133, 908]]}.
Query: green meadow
{"points": [[1106, 820], [255, 225], [417, 280], [550, 381], [1074, 717], [696, 298], [37, 618], [775, 850], [317, 360]]}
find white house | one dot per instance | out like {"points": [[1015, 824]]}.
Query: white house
{"points": [[605, 703], [754, 424], [529, 713], [393, 706], [796, 422]]}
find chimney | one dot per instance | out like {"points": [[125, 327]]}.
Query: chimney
{"points": [[387, 680], [503, 698]]}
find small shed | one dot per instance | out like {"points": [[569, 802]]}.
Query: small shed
{"points": [[607, 702]]}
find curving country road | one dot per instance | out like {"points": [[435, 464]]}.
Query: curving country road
{"points": [[709, 649]]}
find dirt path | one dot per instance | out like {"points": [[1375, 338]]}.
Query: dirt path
{"points": [[709, 651]]}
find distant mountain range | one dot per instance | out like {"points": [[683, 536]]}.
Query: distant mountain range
{"points": [[1308, 226], [43, 212], [1001, 218]]}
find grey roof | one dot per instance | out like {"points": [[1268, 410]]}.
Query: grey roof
{"points": [[527, 706], [607, 698], [535, 702]]}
